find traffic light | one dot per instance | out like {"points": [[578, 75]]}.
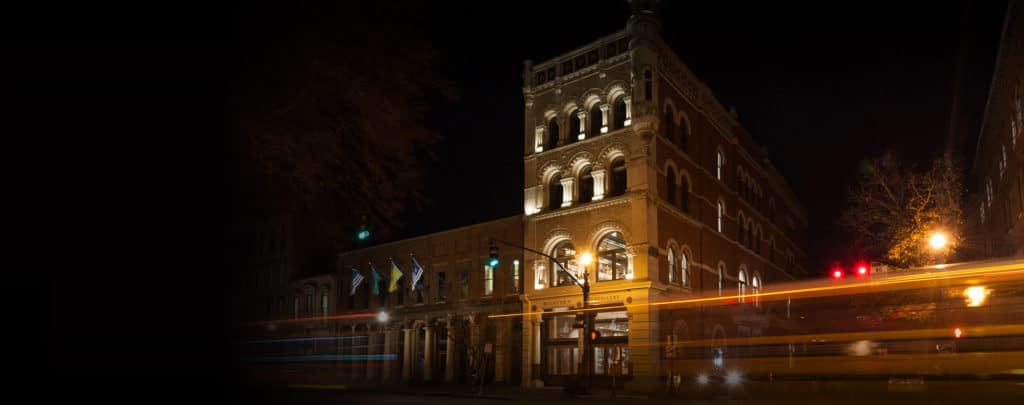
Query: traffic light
{"points": [[363, 234], [862, 268], [594, 335], [958, 333], [492, 258], [837, 273]]}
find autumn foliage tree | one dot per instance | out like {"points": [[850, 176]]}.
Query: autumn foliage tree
{"points": [[894, 210]]}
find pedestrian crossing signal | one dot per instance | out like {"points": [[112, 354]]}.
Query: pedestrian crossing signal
{"points": [[594, 335]]}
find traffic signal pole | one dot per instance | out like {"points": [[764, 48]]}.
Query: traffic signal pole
{"points": [[585, 354]]}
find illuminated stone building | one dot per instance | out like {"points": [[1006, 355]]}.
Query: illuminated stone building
{"points": [[629, 157]]}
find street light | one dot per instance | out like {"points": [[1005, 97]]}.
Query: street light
{"points": [[382, 317], [938, 240]]}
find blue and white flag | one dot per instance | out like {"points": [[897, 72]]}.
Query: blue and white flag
{"points": [[417, 273], [356, 280]]}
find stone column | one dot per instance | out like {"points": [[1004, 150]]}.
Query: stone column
{"points": [[598, 175], [567, 191], [583, 125], [629, 110], [389, 348], [604, 118], [428, 353], [449, 355], [407, 354], [535, 365]]}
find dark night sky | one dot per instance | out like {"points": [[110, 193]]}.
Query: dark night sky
{"points": [[820, 88], [124, 105]]}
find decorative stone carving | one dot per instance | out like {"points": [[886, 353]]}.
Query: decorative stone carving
{"points": [[548, 168]]}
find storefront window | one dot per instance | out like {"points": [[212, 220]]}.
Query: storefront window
{"points": [[612, 324]]}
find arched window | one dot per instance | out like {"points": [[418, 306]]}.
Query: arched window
{"points": [[595, 120], [750, 236], [742, 284], [721, 213], [648, 86], [574, 126], [612, 260], [565, 255], [684, 268], [755, 288], [619, 110], [719, 164], [553, 133], [684, 200], [618, 177], [669, 125], [721, 278], [586, 185], [741, 230], [555, 192], [684, 134], [671, 266], [670, 186], [323, 303]]}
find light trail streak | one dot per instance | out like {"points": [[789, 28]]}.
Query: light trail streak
{"points": [[313, 319], [903, 281]]}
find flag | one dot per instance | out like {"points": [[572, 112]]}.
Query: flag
{"points": [[395, 275], [376, 279], [356, 279], [417, 273]]}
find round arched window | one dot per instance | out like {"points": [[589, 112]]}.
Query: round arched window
{"points": [[586, 185], [565, 256], [671, 266], [612, 260]]}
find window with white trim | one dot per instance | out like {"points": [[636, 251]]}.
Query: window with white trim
{"points": [[742, 285], [721, 278], [684, 268], [488, 280], [719, 164], [671, 266], [721, 212], [988, 191]]}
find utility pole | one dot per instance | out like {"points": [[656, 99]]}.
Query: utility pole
{"points": [[585, 286]]}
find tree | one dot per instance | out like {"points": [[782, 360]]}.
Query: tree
{"points": [[894, 210], [331, 114]]}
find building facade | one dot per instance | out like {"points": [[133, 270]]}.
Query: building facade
{"points": [[995, 205], [630, 158]]}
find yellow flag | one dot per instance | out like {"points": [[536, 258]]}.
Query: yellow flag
{"points": [[395, 275]]}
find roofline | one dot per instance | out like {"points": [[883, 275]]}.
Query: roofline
{"points": [[537, 66], [992, 83], [368, 248]]}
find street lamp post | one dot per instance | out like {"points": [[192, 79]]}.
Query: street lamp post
{"points": [[585, 286]]}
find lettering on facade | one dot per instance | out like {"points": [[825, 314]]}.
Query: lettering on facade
{"points": [[555, 302]]}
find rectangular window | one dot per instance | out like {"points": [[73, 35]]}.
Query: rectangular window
{"points": [[464, 280], [623, 44], [323, 304], [296, 309], [581, 62], [440, 287], [592, 57], [515, 277], [488, 280], [551, 73], [567, 67], [540, 78], [609, 50]]}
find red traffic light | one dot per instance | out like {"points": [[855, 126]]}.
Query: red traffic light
{"points": [[862, 270], [837, 274], [594, 335]]}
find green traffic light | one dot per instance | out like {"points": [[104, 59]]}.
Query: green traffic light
{"points": [[363, 234]]}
